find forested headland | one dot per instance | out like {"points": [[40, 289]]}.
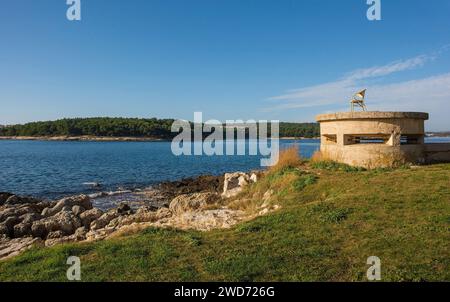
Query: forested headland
{"points": [[126, 127]]}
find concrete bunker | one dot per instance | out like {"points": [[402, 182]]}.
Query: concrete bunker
{"points": [[378, 139]]}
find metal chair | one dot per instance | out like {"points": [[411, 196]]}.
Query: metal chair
{"points": [[358, 100]]}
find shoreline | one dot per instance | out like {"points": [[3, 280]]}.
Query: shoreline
{"points": [[197, 203], [110, 139], [87, 138], [84, 138]]}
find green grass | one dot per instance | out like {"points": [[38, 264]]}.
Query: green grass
{"points": [[334, 166], [327, 228]]}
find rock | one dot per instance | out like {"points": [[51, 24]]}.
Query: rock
{"points": [[80, 234], [15, 211], [14, 247], [55, 241], [267, 210], [124, 209], [10, 222], [266, 198], [143, 214], [4, 229], [55, 235], [77, 210], [104, 220], [243, 180], [99, 234], [38, 229], [263, 212], [22, 229], [4, 197], [234, 183], [253, 177], [199, 184], [46, 212], [66, 209], [67, 203], [30, 217], [191, 202], [66, 222], [203, 220], [14, 200], [89, 216], [145, 210], [82, 201], [40, 206], [163, 213]]}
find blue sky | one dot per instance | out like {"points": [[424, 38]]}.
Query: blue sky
{"points": [[231, 59]]}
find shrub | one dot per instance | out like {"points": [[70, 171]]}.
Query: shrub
{"points": [[289, 158]]}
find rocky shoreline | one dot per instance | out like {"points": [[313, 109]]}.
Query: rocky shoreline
{"points": [[196, 203], [85, 138]]}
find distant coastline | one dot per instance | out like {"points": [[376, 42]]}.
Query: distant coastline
{"points": [[84, 138], [108, 138]]}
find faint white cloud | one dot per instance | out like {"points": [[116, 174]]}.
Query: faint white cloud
{"points": [[429, 93], [415, 94], [393, 67]]}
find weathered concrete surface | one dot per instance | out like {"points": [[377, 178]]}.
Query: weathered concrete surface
{"points": [[400, 139], [371, 115]]}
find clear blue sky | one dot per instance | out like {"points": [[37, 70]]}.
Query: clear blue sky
{"points": [[231, 59]]}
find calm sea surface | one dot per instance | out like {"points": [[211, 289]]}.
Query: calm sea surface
{"points": [[56, 169]]}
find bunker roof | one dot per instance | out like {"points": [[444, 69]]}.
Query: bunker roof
{"points": [[367, 115]]}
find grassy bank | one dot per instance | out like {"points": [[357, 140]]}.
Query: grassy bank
{"points": [[332, 219]]}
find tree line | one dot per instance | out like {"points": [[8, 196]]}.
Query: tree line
{"points": [[127, 127]]}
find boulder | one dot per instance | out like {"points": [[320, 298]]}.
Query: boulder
{"points": [[143, 214], [38, 229], [235, 182], [80, 234], [4, 229], [191, 202], [30, 217], [40, 206], [66, 209], [66, 222], [15, 211], [124, 209], [46, 212], [4, 197], [14, 200], [22, 229], [9, 223], [104, 220], [89, 216], [77, 210], [67, 203]]}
